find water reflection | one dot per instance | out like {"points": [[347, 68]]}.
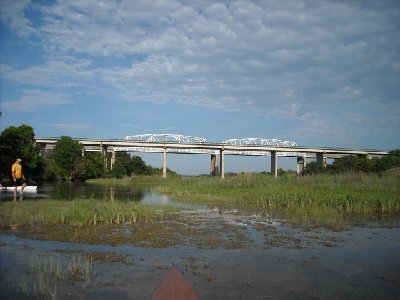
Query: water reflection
{"points": [[74, 191], [71, 191]]}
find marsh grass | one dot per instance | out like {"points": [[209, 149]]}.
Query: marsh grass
{"points": [[350, 193], [78, 213], [47, 273]]}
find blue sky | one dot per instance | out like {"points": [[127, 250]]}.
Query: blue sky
{"points": [[319, 73]]}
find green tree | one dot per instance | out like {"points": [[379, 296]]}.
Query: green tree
{"points": [[122, 160], [118, 171], [138, 166], [313, 168], [351, 164], [388, 162], [18, 142], [91, 166], [132, 164], [67, 155]]}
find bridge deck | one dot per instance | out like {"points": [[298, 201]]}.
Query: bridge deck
{"points": [[175, 147]]}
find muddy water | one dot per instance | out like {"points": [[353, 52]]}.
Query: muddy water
{"points": [[226, 254]]}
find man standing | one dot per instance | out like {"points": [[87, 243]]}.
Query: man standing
{"points": [[18, 177]]}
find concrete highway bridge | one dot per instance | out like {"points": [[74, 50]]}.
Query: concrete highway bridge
{"points": [[175, 143]]}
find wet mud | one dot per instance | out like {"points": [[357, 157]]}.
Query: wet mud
{"points": [[225, 254]]}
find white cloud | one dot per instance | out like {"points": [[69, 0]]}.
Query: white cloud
{"points": [[293, 59], [60, 72], [12, 14], [33, 100], [347, 129]]}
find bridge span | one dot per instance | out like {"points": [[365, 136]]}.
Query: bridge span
{"points": [[174, 143]]}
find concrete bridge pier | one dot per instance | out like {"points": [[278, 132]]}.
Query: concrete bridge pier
{"points": [[104, 153], [222, 163], [274, 164], [321, 160], [112, 159], [301, 164], [213, 165], [164, 169]]}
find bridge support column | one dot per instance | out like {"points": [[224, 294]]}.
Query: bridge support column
{"points": [[213, 165], [321, 160], [164, 167], [274, 164], [112, 159], [222, 163], [301, 165], [104, 153]]}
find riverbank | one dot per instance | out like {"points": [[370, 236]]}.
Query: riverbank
{"points": [[321, 200], [349, 193]]}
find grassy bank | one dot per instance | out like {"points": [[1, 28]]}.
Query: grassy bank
{"points": [[345, 193], [310, 197], [77, 213]]}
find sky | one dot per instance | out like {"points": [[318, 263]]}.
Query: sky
{"points": [[318, 73]]}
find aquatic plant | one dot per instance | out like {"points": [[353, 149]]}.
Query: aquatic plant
{"points": [[347, 192], [47, 275], [78, 213]]}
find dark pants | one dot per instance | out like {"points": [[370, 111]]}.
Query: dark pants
{"points": [[19, 182]]}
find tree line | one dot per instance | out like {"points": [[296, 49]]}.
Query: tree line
{"points": [[66, 161], [362, 164]]}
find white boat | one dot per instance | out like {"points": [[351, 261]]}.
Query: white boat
{"points": [[27, 189]]}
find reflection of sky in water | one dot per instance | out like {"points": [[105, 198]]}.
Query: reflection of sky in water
{"points": [[152, 198], [66, 246], [71, 191]]}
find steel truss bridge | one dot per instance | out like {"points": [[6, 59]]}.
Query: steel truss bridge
{"points": [[193, 140], [176, 143]]}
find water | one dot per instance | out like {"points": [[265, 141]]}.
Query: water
{"points": [[71, 191], [227, 253], [364, 264]]}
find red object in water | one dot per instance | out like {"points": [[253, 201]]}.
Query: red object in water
{"points": [[174, 286]]}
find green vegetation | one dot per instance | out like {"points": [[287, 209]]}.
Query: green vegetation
{"points": [[77, 213], [17, 142], [350, 184], [127, 165], [47, 274], [65, 161], [358, 164], [320, 198], [357, 193]]}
